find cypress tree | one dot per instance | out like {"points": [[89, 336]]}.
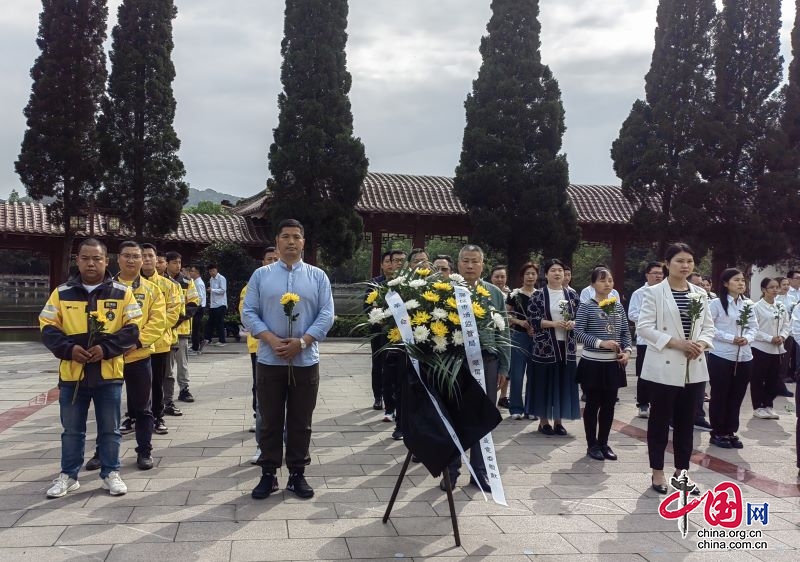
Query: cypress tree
{"points": [[661, 154], [748, 71], [511, 175], [143, 173], [317, 165], [59, 155]]}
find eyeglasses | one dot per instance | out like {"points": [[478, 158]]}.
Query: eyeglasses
{"points": [[131, 257], [398, 260]]}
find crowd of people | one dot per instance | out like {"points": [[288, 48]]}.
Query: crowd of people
{"points": [[140, 326]]}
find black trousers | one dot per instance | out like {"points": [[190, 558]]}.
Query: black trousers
{"points": [[160, 364], [765, 378], [394, 365], [700, 402], [676, 403], [138, 384], [790, 362], [598, 414], [727, 393], [377, 367], [254, 363], [197, 328], [490, 368], [641, 385], [281, 402], [216, 323]]}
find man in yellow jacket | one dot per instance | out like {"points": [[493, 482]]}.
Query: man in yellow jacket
{"points": [[160, 359], [88, 323], [189, 306]]}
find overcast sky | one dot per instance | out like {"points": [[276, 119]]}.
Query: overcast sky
{"points": [[412, 64]]}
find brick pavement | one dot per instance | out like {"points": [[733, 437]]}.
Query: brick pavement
{"points": [[196, 505]]}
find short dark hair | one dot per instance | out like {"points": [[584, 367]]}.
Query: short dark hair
{"points": [[526, 266], [212, 265], [386, 254], [149, 246], [290, 223], [695, 274], [268, 250], [396, 252], [128, 244], [414, 252], [445, 257], [93, 243], [653, 264], [550, 263], [791, 273], [566, 267], [172, 255], [599, 273]]}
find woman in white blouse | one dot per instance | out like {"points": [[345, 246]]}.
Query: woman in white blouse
{"points": [[674, 366], [773, 329], [731, 361]]}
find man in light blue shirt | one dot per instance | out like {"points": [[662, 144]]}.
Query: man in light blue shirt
{"points": [[197, 324], [217, 304], [287, 373]]}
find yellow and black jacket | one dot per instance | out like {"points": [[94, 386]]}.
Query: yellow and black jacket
{"points": [[64, 322], [252, 343], [154, 316], [172, 301], [189, 305]]}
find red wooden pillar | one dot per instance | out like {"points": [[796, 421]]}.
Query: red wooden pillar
{"points": [[375, 266], [418, 238], [618, 246], [55, 255]]}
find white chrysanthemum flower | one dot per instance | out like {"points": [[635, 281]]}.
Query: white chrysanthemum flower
{"points": [[749, 302], [421, 334], [456, 278], [514, 293], [458, 337], [439, 313], [439, 344], [417, 283], [396, 281], [695, 296], [412, 304], [498, 321], [376, 315], [562, 302]]}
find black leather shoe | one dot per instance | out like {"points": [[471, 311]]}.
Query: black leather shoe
{"points": [[693, 488], [786, 392], [298, 485], [185, 396], [397, 435], [378, 405], [660, 488], [503, 403], [560, 430], [547, 429], [267, 485], [144, 461], [596, 452], [721, 441], [94, 462], [443, 484], [172, 410], [608, 453], [735, 442], [482, 482]]}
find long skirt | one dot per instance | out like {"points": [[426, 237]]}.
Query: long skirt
{"points": [[555, 392]]}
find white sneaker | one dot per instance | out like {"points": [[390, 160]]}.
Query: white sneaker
{"points": [[761, 414], [388, 417], [772, 414], [516, 416], [221, 344], [254, 458], [644, 412], [62, 485], [114, 484]]}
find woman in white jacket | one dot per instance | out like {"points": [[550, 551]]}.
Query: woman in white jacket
{"points": [[768, 351], [674, 365]]}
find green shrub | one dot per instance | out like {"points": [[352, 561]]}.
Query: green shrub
{"points": [[344, 326]]}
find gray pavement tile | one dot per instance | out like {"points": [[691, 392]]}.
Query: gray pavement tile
{"points": [[534, 543], [317, 528], [572, 507], [516, 524], [137, 499], [9, 517], [705, 556], [180, 484], [175, 514], [215, 551], [289, 549], [30, 536], [479, 507], [641, 543], [74, 516], [394, 547], [275, 508], [231, 530], [371, 509], [121, 533], [83, 553], [39, 501], [327, 495], [441, 526]]}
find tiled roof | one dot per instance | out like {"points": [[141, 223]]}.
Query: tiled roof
{"points": [[433, 195], [31, 218]]}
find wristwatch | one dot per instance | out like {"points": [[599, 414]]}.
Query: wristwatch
{"points": [[303, 343]]}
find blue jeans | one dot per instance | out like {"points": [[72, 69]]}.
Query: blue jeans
{"points": [[106, 398], [520, 360]]}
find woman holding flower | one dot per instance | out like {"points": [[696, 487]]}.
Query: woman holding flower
{"points": [[730, 363], [522, 340], [677, 325], [773, 328], [602, 327], [551, 314]]}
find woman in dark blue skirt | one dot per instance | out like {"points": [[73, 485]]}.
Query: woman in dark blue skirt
{"points": [[551, 314]]}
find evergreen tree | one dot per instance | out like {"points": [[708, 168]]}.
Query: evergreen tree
{"points": [[777, 199], [661, 154], [59, 155], [748, 71], [511, 176], [144, 175], [317, 165]]}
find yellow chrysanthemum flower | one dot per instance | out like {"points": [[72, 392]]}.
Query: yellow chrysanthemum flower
{"points": [[478, 310], [439, 329], [430, 296], [610, 301], [371, 298], [94, 314], [482, 291], [420, 317], [441, 286], [451, 303], [454, 318], [289, 297], [423, 272], [394, 335]]}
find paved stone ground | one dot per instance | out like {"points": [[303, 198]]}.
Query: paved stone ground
{"points": [[196, 504]]}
